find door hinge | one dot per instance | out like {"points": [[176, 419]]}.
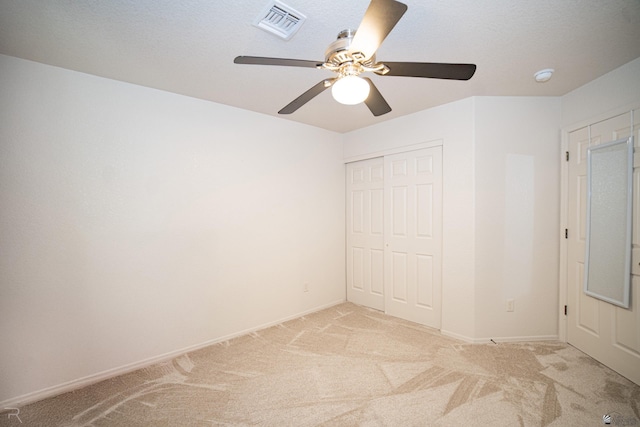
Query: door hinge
{"points": [[567, 155], [565, 310], [566, 233]]}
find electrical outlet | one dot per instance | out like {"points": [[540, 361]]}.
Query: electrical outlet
{"points": [[510, 305], [306, 287]]}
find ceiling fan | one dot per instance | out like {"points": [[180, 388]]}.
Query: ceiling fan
{"points": [[353, 53]]}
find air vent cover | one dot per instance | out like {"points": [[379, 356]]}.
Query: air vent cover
{"points": [[280, 19]]}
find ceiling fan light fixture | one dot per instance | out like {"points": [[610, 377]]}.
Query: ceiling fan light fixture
{"points": [[354, 53], [350, 90]]}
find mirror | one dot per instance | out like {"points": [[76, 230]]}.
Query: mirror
{"points": [[609, 206]]}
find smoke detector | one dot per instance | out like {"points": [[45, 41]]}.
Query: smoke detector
{"points": [[543, 75], [279, 19]]}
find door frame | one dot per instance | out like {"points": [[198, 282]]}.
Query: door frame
{"points": [[564, 206], [395, 150]]}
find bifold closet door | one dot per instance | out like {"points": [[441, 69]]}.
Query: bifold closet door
{"points": [[365, 233], [413, 236], [394, 234]]}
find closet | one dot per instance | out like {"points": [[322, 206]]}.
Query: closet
{"points": [[394, 234]]}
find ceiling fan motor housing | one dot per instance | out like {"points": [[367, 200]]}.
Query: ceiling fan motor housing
{"points": [[338, 52]]}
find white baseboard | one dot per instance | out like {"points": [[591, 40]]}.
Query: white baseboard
{"points": [[499, 339], [456, 336], [110, 373], [517, 339]]}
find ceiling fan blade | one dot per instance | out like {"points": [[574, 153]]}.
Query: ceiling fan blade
{"points": [[379, 19], [258, 60], [433, 70], [307, 96], [375, 101]]}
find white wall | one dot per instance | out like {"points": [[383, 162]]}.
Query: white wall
{"points": [[517, 216], [617, 89], [136, 223], [500, 209], [614, 93], [451, 125]]}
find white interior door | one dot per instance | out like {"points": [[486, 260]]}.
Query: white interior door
{"points": [[365, 233], [606, 332], [413, 236]]}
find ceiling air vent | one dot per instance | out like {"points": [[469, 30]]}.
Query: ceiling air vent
{"points": [[280, 19]]}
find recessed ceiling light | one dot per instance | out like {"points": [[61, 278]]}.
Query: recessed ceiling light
{"points": [[543, 75]]}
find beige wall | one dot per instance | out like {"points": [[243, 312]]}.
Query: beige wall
{"points": [[136, 223]]}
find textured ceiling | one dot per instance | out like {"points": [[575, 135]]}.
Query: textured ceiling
{"points": [[188, 46]]}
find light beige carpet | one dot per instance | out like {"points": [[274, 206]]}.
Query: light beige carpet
{"points": [[352, 366]]}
